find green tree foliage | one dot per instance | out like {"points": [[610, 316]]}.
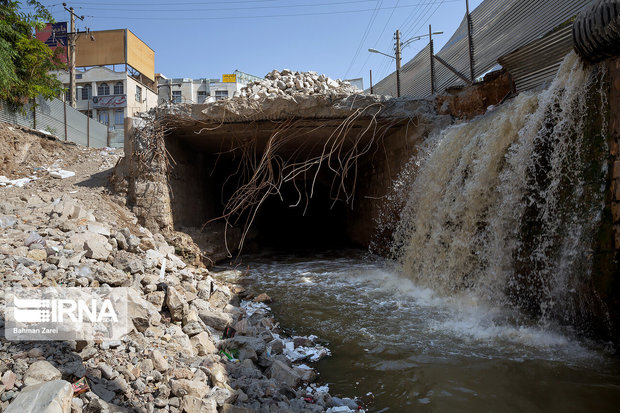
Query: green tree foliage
{"points": [[25, 62]]}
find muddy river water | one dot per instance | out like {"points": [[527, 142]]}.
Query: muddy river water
{"points": [[401, 348]]}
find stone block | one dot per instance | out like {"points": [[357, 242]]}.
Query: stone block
{"points": [[51, 397], [40, 372]]}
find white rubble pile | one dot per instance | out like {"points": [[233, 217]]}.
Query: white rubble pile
{"points": [[176, 358], [289, 82], [197, 344]]}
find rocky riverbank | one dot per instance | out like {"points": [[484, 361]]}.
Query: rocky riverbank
{"points": [[197, 343]]}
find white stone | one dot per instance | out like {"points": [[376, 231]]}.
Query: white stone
{"points": [[51, 397], [40, 372]]}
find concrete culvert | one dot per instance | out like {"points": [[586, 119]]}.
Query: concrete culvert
{"points": [[596, 31], [286, 172]]}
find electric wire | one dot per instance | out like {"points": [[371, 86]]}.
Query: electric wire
{"points": [[379, 37], [373, 16]]}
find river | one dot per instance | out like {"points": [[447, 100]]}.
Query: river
{"points": [[400, 347]]}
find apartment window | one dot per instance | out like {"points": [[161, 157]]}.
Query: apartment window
{"points": [[103, 89], [119, 116], [118, 88], [202, 96], [221, 94], [138, 94], [103, 117], [176, 96], [87, 92]]}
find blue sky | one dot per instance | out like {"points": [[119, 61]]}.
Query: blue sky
{"points": [[193, 38]]}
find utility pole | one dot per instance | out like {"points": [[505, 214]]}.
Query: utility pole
{"points": [[371, 91], [398, 56], [430, 36], [72, 36], [470, 42]]}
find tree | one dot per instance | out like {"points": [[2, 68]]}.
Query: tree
{"points": [[25, 62]]}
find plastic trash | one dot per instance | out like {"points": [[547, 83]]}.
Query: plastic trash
{"points": [[61, 174], [34, 238], [229, 332], [80, 386]]}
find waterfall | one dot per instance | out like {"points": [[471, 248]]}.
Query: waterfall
{"points": [[506, 207]]}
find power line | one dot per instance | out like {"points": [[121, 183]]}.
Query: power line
{"points": [[412, 24], [373, 16], [228, 9], [410, 17], [428, 18], [117, 17], [150, 4], [380, 36]]}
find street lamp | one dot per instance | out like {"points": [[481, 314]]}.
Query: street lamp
{"points": [[399, 46], [397, 58]]}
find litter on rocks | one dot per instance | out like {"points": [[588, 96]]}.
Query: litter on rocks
{"points": [[252, 307], [18, 183], [61, 173], [80, 386]]}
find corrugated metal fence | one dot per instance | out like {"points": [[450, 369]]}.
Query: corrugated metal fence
{"points": [[49, 116], [499, 27]]}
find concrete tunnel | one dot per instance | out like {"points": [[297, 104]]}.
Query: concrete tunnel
{"points": [[320, 201]]}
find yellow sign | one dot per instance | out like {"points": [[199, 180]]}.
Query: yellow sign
{"points": [[229, 78]]}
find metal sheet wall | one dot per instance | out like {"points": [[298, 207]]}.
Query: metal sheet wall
{"points": [[50, 117], [498, 27], [536, 64]]}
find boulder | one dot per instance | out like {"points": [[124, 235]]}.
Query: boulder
{"points": [[203, 344], [216, 319], [128, 262], [141, 312], [41, 372], [192, 404], [112, 276], [184, 387], [97, 246], [254, 343], [282, 373], [159, 362], [51, 397], [175, 303]]}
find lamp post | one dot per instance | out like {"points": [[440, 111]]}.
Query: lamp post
{"points": [[397, 58], [398, 48]]}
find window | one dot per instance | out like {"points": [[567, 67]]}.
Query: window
{"points": [[103, 89], [68, 95], [202, 96], [221, 94], [119, 116], [138, 94], [103, 117], [118, 88], [87, 92], [176, 96]]}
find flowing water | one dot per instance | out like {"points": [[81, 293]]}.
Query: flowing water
{"points": [[490, 289], [416, 350]]}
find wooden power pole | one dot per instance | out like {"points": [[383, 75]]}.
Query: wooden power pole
{"points": [[72, 37]]}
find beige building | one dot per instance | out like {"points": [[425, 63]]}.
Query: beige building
{"points": [[115, 79], [186, 90]]}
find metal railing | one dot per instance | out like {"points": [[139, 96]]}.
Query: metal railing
{"points": [[59, 119]]}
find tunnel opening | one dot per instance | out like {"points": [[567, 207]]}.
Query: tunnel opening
{"points": [[327, 204]]}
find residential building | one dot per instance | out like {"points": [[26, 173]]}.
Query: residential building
{"points": [[186, 90], [115, 79]]}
